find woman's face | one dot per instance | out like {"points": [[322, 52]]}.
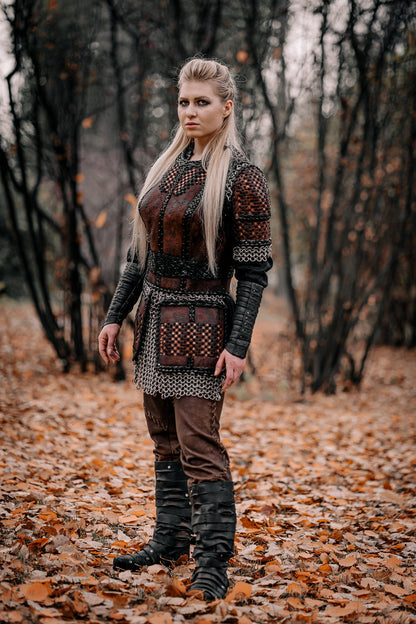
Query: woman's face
{"points": [[201, 112]]}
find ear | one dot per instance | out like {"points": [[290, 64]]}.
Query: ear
{"points": [[228, 106]]}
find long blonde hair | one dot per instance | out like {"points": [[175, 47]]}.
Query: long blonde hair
{"points": [[215, 158]]}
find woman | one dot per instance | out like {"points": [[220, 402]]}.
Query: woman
{"points": [[203, 215]]}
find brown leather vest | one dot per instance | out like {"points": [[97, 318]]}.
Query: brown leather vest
{"points": [[177, 257]]}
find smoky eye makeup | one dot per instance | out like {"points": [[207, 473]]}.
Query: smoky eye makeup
{"points": [[199, 101]]}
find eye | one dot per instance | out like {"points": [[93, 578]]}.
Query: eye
{"points": [[203, 102], [183, 103]]}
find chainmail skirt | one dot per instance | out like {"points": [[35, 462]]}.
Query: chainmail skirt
{"points": [[147, 375]]}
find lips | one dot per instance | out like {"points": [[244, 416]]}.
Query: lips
{"points": [[191, 125]]}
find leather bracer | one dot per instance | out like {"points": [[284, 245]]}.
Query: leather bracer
{"points": [[126, 294], [247, 304]]}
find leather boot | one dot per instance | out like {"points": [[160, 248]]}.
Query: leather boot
{"points": [[172, 534], [213, 522]]}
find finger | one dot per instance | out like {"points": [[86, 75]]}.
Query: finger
{"points": [[229, 380], [111, 343], [102, 344], [219, 365], [113, 353]]}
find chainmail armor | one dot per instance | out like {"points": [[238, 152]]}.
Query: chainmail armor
{"points": [[175, 352], [252, 253], [168, 384]]}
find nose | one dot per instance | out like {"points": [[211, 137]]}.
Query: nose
{"points": [[191, 110]]}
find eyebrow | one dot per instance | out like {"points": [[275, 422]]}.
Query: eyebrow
{"points": [[198, 97]]}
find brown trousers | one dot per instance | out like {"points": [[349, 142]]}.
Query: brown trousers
{"points": [[187, 428]]}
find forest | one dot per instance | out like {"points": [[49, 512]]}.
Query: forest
{"points": [[327, 109], [321, 429]]}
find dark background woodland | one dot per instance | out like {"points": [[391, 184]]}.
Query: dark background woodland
{"points": [[327, 108]]}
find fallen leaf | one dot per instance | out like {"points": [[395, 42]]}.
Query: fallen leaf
{"points": [[348, 561], [295, 603], [243, 619], [160, 618], [38, 592], [240, 591], [176, 588], [394, 589], [410, 598], [294, 588]]}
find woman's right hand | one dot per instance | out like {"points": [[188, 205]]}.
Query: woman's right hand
{"points": [[107, 343]]}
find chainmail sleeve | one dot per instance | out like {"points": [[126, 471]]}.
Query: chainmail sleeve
{"points": [[127, 292], [251, 253]]}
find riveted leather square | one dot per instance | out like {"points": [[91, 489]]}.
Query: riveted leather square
{"points": [[190, 336]]}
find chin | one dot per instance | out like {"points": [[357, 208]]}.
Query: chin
{"points": [[192, 134]]}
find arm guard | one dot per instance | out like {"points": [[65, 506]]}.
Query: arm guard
{"points": [[126, 294], [247, 304]]}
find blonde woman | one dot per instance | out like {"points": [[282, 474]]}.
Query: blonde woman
{"points": [[203, 216]]}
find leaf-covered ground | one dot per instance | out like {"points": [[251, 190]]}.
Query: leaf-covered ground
{"points": [[325, 487]]}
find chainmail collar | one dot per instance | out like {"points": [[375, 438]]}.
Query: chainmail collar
{"points": [[184, 157]]}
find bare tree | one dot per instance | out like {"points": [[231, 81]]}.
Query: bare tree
{"points": [[362, 166], [47, 115]]}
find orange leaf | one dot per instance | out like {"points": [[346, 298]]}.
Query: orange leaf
{"points": [[38, 592], [312, 603], [295, 603], [396, 590], [88, 122], [294, 588], [393, 562], [176, 588], [38, 543], [96, 462], [336, 611], [138, 512], [272, 566], [350, 607], [242, 620], [242, 56], [101, 219], [119, 544], [160, 618], [47, 515], [78, 604], [128, 519], [14, 617], [249, 524], [129, 197], [239, 591], [410, 598], [348, 561], [325, 568]]}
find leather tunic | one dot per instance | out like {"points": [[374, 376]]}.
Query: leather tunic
{"points": [[185, 314]]}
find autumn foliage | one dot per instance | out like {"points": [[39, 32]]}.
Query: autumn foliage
{"points": [[325, 491]]}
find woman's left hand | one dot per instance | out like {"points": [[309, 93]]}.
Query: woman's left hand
{"points": [[234, 366]]}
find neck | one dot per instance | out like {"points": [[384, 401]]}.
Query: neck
{"points": [[197, 152]]}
